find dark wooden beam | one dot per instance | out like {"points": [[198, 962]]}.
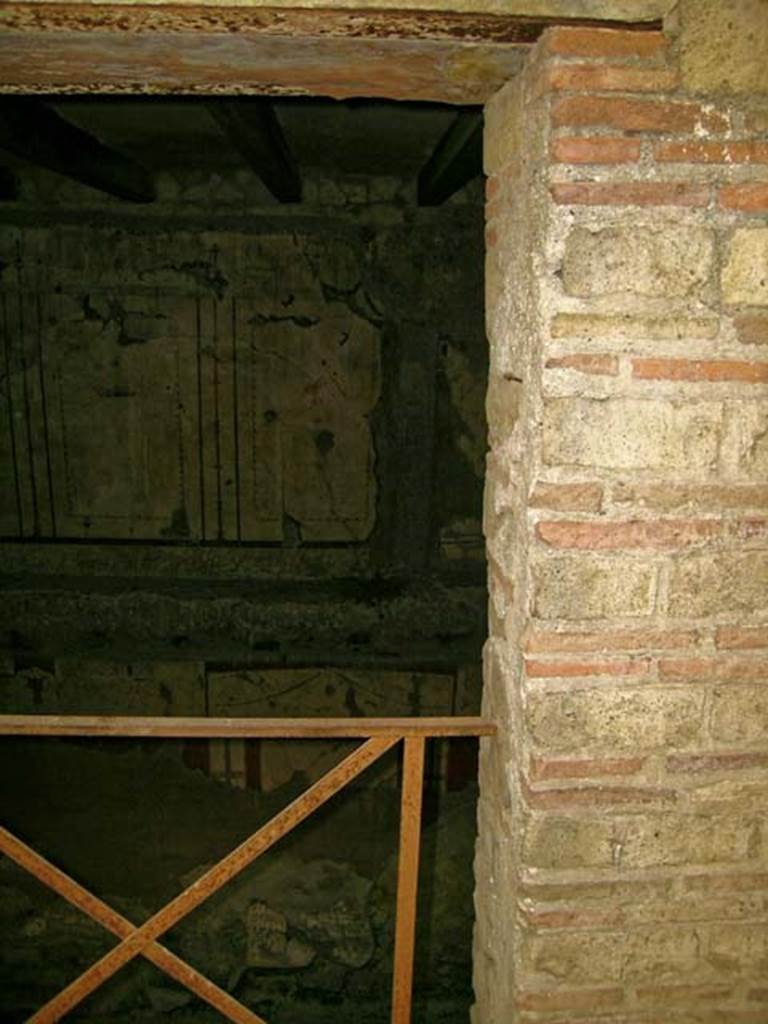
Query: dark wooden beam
{"points": [[33, 131], [9, 186], [457, 159], [254, 130]]}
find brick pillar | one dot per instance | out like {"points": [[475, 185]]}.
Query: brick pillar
{"points": [[622, 864]]}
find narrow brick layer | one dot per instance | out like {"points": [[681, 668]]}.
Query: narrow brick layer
{"points": [[590, 42], [748, 197], [700, 370], [742, 638], [554, 669], [722, 669], [574, 149], [670, 533], [539, 642], [611, 78], [638, 115], [633, 193]]}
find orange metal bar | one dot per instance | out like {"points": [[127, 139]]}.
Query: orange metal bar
{"points": [[241, 728], [381, 735], [407, 879], [101, 912], [212, 880]]}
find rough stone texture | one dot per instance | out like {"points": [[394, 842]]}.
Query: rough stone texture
{"points": [[631, 434], [252, 374], [722, 46], [632, 762], [637, 260], [574, 587], [745, 274]]}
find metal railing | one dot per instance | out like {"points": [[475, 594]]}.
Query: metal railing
{"points": [[378, 735]]}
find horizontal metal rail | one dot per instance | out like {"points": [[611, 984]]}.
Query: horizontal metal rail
{"points": [[379, 734]]}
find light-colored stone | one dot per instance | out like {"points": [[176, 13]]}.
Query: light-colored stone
{"points": [[745, 274], [631, 434], [589, 587], [740, 714], [672, 261], [607, 720], [723, 46], [673, 839], [560, 842], [578, 958], [713, 584]]}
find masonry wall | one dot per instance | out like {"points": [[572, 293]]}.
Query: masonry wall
{"points": [[622, 868]]}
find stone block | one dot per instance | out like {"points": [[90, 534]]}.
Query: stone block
{"points": [[737, 949], [671, 261], [608, 720], [502, 407], [745, 273], [673, 839], [747, 433], [740, 714], [579, 958], [631, 434], [589, 587], [504, 127], [662, 954], [562, 842], [723, 46], [711, 584]]}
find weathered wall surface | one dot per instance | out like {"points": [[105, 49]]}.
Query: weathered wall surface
{"points": [[622, 861], [242, 392]]}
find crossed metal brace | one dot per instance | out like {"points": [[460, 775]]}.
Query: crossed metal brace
{"points": [[142, 940]]}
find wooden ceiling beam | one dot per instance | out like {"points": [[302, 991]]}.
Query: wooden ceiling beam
{"points": [[33, 131], [254, 130], [456, 160]]}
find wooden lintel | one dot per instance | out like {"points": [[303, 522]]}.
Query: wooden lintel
{"points": [[33, 131], [457, 159], [254, 130], [222, 49], [241, 728]]}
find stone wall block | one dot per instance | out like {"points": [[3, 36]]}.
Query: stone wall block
{"points": [[628, 433], [733, 583], [745, 272], [607, 720], [588, 587], [671, 261]]}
